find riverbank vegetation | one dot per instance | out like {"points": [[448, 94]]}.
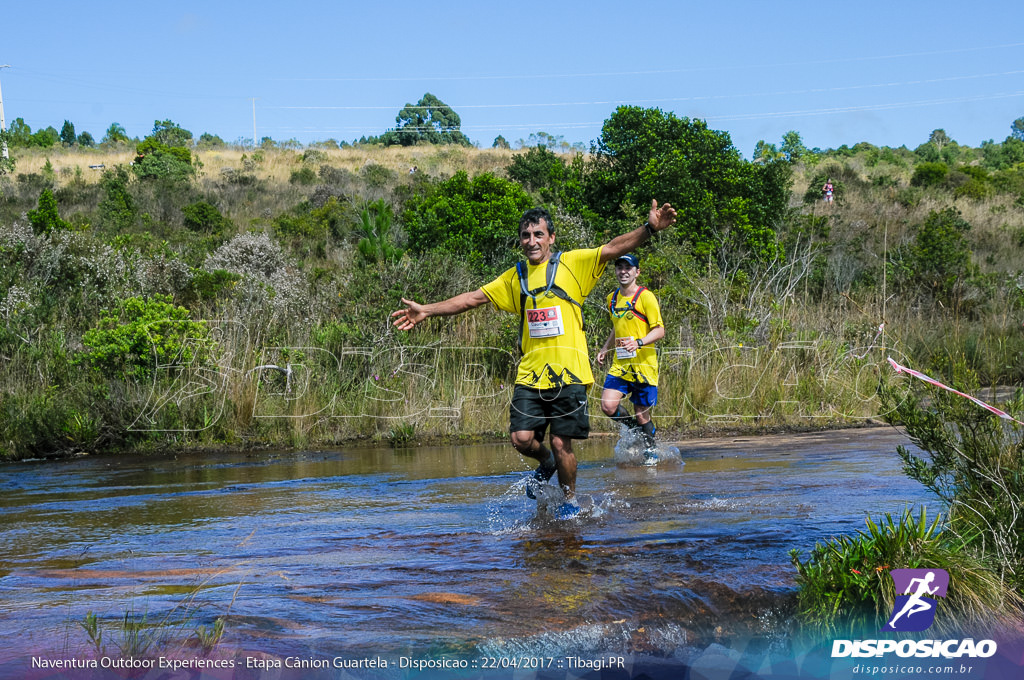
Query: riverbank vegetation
{"points": [[170, 292]]}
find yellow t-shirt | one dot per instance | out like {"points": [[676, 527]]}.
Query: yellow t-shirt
{"points": [[643, 368], [554, 345]]}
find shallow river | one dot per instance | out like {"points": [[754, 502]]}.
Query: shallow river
{"points": [[432, 551]]}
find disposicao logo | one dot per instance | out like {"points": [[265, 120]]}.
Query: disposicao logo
{"points": [[914, 611], [916, 590]]}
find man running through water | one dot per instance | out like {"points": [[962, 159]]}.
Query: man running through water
{"points": [[547, 292], [636, 326]]}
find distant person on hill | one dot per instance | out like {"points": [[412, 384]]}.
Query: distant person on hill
{"points": [[636, 326], [547, 293], [827, 191]]}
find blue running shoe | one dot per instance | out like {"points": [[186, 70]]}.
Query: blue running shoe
{"points": [[541, 475], [567, 510]]}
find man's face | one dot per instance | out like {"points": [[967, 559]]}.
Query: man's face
{"points": [[536, 242], [625, 273]]}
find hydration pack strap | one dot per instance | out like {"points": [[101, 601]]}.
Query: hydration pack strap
{"points": [[550, 286]]}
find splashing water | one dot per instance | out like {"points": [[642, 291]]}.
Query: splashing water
{"points": [[632, 449]]}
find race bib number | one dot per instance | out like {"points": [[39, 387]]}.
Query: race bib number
{"points": [[620, 351], [545, 322]]}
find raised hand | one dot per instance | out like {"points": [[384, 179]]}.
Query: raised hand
{"points": [[661, 218]]}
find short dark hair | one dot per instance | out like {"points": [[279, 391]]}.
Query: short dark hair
{"points": [[534, 216]]}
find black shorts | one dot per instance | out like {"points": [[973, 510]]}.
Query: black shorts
{"points": [[563, 408]]}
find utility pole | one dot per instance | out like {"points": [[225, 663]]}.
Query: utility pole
{"points": [[254, 146], [3, 123]]}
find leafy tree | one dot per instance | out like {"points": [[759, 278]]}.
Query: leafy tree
{"points": [[45, 138], [1002, 156], [46, 218], [939, 257], [543, 139], [1017, 130], [171, 134], [115, 134], [20, 133], [165, 154], [536, 168], [938, 139], [209, 141], [767, 153], [500, 143], [727, 207], [793, 146], [85, 140], [67, 133], [476, 220], [430, 120]]}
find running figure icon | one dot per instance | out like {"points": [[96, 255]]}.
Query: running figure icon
{"points": [[917, 589]]}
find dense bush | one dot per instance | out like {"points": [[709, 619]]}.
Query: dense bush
{"points": [[143, 335], [203, 217], [476, 219], [929, 174], [938, 260], [46, 218], [728, 208]]}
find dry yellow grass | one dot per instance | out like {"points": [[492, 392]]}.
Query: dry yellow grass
{"points": [[277, 165]]}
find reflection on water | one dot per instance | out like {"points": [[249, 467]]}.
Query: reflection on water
{"points": [[434, 549]]}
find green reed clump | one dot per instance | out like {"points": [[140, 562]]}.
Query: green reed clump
{"points": [[845, 588]]}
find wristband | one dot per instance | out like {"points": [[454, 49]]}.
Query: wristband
{"points": [[650, 229]]}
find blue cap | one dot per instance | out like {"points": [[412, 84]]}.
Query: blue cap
{"points": [[630, 258]]}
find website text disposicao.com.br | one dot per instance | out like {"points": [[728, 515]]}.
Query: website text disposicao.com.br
{"points": [[902, 670], [958, 656]]}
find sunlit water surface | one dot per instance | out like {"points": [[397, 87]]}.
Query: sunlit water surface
{"points": [[434, 550]]}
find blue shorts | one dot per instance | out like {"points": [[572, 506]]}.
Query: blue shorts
{"points": [[641, 394]]}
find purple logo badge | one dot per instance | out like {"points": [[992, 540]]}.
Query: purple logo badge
{"points": [[916, 590]]}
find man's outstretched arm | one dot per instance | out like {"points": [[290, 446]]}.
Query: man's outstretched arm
{"points": [[658, 219], [414, 313]]}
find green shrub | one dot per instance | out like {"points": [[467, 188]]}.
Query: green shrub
{"points": [[537, 168], [477, 220], [202, 217], [45, 218], [929, 174], [210, 285], [973, 460], [973, 189], [377, 243], [304, 176], [143, 334]]}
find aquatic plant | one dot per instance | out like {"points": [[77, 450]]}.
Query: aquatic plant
{"points": [[209, 638], [845, 587]]}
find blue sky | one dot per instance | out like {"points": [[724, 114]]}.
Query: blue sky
{"points": [[838, 73]]}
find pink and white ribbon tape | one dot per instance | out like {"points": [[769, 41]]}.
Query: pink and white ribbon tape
{"points": [[932, 381]]}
